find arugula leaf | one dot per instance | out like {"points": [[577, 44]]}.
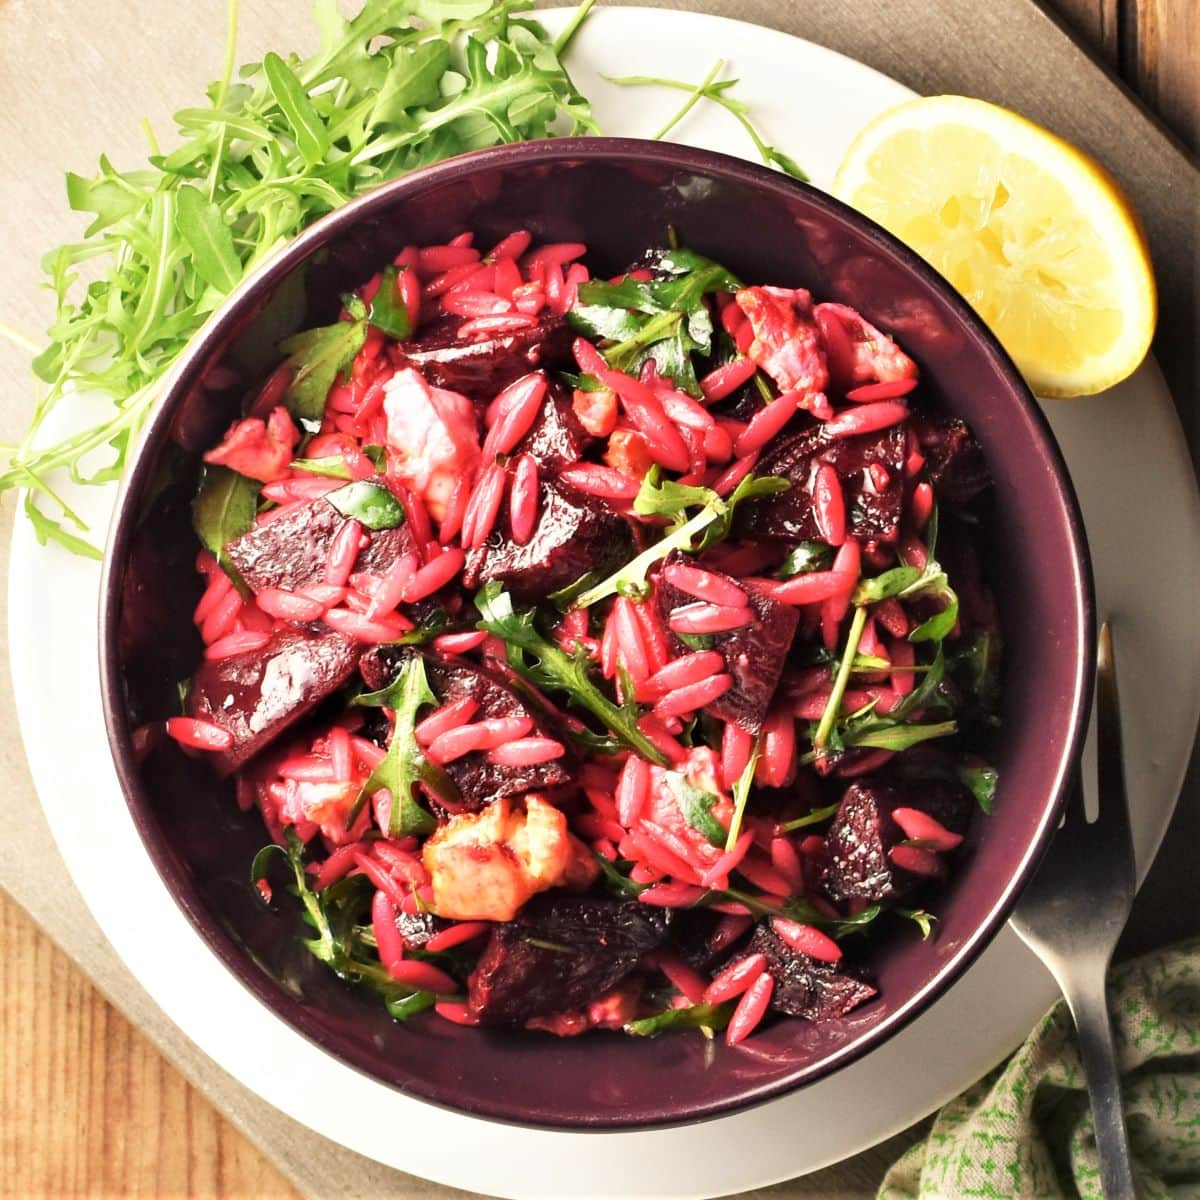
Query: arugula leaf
{"points": [[201, 224], [797, 909], [272, 147], [924, 920], [317, 357], [619, 883], [688, 534], [387, 310], [405, 765], [697, 807], [709, 1018], [224, 509], [981, 783], [307, 127], [403, 1007], [890, 583], [333, 466], [661, 319], [547, 665], [335, 915], [804, 558], [718, 93], [840, 680], [368, 502]]}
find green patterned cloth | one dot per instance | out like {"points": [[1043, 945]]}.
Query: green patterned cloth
{"points": [[1024, 1132]]}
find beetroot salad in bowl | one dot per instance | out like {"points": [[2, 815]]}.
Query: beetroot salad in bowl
{"points": [[600, 641]]}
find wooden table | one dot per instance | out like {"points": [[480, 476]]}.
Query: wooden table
{"points": [[89, 1107]]}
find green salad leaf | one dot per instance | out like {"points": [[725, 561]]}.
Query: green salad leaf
{"points": [[687, 532], [697, 806], [387, 310], [546, 665], [709, 1018], [224, 509], [368, 502], [665, 319], [336, 916], [717, 92], [317, 357], [405, 764]]}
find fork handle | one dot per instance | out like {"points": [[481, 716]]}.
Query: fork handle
{"points": [[1088, 1003]]}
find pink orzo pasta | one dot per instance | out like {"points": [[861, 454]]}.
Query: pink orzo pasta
{"points": [[600, 653]]}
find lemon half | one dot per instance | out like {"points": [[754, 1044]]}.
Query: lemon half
{"points": [[1036, 235]]}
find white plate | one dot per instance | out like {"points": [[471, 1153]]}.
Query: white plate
{"points": [[1131, 466]]}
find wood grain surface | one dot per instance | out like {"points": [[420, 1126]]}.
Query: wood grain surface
{"points": [[89, 1107]]}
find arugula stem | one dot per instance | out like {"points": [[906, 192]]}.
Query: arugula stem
{"points": [[829, 716], [680, 539], [700, 90], [18, 339], [741, 794], [580, 15], [231, 38]]}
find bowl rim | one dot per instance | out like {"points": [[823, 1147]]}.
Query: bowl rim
{"points": [[182, 374]]}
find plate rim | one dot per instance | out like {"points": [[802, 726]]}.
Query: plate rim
{"points": [[23, 547]]}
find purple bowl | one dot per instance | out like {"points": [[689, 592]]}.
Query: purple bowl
{"points": [[618, 196]]}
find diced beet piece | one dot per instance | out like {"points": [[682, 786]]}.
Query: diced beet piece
{"points": [[480, 369], [290, 551], [754, 655], [805, 987], [863, 832], [943, 798], [871, 511], [953, 459], [479, 782], [587, 946], [691, 937], [259, 694], [557, 439], [858, 842], [575, 533]]}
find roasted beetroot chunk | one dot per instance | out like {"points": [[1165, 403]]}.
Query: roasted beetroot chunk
{"points": [[559, 955], [857, 846], [863, 834], [953, 459], [754, 655], [260, 693], [479, 782], [290, 551], [873, 503], [480, 369], [557, 439], [574, 534], [806, 987]]}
